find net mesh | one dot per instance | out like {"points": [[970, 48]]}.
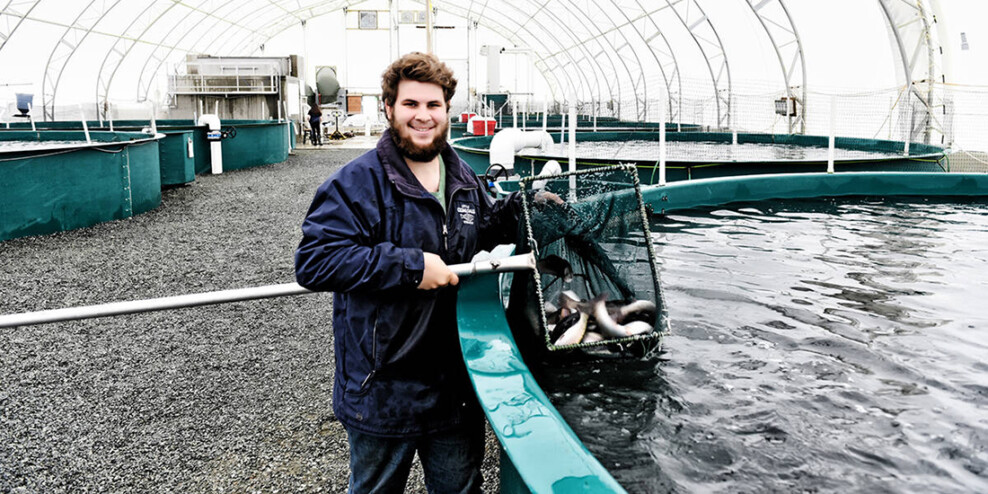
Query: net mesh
{"points": [[597, 288]]}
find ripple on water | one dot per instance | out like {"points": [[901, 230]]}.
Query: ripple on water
{"points": [[821, 346]]}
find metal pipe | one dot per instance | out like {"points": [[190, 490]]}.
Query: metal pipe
{"points": [[521, 262]]}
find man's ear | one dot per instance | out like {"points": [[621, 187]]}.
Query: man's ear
{"points": [[388, 110]]}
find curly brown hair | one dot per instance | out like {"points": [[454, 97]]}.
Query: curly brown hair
{"points": [[416, 66]]}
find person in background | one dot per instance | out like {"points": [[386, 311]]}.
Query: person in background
{"points": [[380, 233], [315, 127]]}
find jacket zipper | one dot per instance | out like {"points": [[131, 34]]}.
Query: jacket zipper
{"points": [[373, 355]]}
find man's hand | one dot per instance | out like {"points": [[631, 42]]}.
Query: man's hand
{"points": [[544, 196], [436, 273]]}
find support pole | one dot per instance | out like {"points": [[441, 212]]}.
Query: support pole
{"points": [[572, 149], [662, 145], [545, 115], [833, 130]]}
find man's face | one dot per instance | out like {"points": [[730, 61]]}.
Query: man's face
{"points": [[419, 120]]}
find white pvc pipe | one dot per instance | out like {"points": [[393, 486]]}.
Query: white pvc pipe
{"points": [[521, 262], [154, 124], [595, 116], [506, 143], [85, 128], [215, 147], [545, 115], [572, 149], [562, 128], [514, 113], [30, 115]]}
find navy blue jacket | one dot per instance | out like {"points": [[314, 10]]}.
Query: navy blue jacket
{"points": [[399, 369]]}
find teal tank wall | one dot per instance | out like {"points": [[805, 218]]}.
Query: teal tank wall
{"points": [[74, 186]]}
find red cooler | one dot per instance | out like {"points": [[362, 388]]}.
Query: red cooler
{"points": [[480, 123]]}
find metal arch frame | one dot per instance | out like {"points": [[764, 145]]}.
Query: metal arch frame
{"points": [[323, 8], [800, 117], [586, 54], [7, 11], [603, 49], [908, 63], [510, 35], [149, 76], [552, 80], [639, 107], [599, 72], [50, 86], [574, 89], [312, 11], [106, 75], [642, 109], [725, 69], [673, 115], [249, 37]]}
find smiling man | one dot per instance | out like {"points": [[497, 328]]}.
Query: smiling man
{"points": [[380, 234]]}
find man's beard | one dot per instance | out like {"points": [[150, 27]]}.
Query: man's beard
{"points": [[413, 151]]}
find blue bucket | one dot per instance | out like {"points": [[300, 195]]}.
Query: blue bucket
{"points": [[24, 102]]}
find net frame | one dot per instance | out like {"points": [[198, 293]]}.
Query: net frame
{"points": [[637, 344]]}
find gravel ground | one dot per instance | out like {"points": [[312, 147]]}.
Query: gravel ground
{"points": [[226, 398]]}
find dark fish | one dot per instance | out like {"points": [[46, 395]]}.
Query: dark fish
{"points": [[556, 266], [564, 324]]}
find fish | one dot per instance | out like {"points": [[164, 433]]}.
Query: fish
{"points": [[564, 322], [575, 333], [644, 307], [569, 300], [556, 266], [611, 328], [592, 337]]}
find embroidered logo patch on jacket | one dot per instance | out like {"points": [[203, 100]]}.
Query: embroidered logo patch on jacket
{"points": [[467, 213]]}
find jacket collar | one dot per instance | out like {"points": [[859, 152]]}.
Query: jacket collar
{"points": [[458, 175]]}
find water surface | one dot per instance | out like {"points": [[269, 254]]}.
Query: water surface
{"points": [[816, 346]]}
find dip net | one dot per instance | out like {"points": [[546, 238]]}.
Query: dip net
{"points": [[596, 290]]}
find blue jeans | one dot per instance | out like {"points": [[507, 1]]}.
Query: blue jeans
{"points": [[450, 460]]}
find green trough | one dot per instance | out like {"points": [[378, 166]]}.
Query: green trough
{"points": [[75, 184], [67, 186], [254, 143], [540, 453]]}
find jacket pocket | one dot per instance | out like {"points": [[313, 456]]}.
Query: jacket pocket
{"points": [[358, 382]]}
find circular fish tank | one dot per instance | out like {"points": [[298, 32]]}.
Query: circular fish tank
{"points": [[692, 155], [823, 337]]}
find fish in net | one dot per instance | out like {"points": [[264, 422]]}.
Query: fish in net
{"points": [[596, 291]]}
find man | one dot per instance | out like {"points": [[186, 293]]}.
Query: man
{"points": [[380, 234]]}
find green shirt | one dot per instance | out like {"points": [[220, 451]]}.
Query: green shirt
{"points": [[441, 193]]}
